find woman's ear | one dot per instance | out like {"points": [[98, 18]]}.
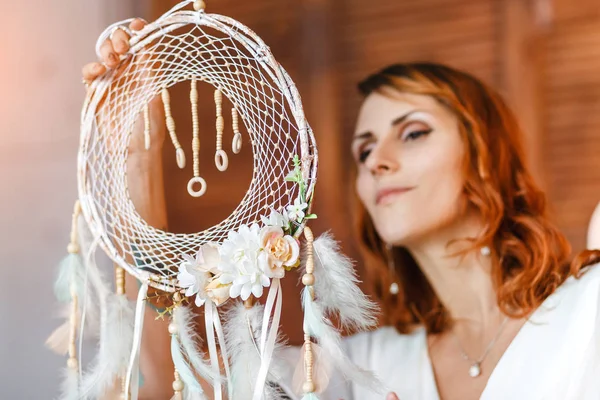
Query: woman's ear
{"points": [[593, 239]]}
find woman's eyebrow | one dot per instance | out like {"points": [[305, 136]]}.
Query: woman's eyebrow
{"points": [[365, 135], [396, 121], [403, 118]]}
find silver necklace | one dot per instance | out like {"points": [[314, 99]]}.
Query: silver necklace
{"points": [[475, 368]]}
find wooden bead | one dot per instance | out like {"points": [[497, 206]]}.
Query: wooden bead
{"points": [[220, 123], [199, 5], [309, 387], [72, 363], [73, 248], [308, 279], [178, 385]]}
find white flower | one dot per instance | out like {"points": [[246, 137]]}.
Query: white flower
{"points": [[295, 212], [243, 263], [276, 219], [195, 273], [282, 250]]}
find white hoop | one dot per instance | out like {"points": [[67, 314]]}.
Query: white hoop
{"points": [[196, 193], [221, 160], [266, 99]]}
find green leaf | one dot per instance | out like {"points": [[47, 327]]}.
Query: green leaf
{"points": [[311, 216]]}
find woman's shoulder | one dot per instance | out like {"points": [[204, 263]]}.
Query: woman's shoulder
{"points": [[585, 284], [577, 299], [370, 349]]}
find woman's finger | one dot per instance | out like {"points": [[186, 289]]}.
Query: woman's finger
{"points": [[120, 41], [137, 24], [109, 56], [391, 396], [92, 70]]}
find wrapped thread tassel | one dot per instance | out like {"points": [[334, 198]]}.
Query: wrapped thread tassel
{"points": [[68, 283], [67, 288], [70, 386], [309, 388]]}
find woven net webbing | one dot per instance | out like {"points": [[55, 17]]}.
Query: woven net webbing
{"points": [[215, 50]]}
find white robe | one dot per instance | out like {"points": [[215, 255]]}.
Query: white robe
{"points": [[555, 355]]}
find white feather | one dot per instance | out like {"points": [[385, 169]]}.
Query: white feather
{"points": [[336, 286], [330, 341], [58, 341], [242, 337], [70, 270], [188, 338], [181, 365], [114, 348], [70, 385]]}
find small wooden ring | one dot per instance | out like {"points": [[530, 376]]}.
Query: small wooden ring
{"points": [[236, 145], [221, 160], [190, 187]]}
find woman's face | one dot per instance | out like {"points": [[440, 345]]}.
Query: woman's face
{"points": [[409, 154]]}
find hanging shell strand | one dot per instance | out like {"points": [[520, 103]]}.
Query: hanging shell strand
{"points": [[197, 179], [236, 144], [166, 98], [308, 280], [221, 160]]}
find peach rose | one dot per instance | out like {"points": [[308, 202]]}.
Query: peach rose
{"points": [[217, 292], [281, 251]]}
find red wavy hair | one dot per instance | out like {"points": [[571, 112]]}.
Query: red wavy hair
{"points": [[531, 256]]}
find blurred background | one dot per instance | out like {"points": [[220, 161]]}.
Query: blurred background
{"points": [[542, 55]]}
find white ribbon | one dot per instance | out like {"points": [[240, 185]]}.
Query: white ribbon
{"points": [[224, 355], [269, 340], [86, 263], [209, 319], [133, 371]]}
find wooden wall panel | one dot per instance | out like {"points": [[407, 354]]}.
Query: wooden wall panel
{"points": [[572, 121]]}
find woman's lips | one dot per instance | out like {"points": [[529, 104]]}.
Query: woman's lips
{"points": [[384, 196]]}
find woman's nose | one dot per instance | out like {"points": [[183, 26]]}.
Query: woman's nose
{"points": [[383, 159]]}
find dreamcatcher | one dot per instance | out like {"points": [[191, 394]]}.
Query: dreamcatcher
{"points": [[224, 268]]}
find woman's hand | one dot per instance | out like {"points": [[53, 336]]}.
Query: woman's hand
{"points": [[112, 52]]}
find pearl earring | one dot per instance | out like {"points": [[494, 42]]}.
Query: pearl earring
{"points": [[485, 251], [394, 287]]}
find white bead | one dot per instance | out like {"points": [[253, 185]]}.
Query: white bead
{"points": [[485, 251], [172, 328], [475, 370], [394, 288]]}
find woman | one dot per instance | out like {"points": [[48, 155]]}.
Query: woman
{"points": [[479, 296]]}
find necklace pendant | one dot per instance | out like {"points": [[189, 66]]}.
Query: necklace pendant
{"points": [[475, 370]]}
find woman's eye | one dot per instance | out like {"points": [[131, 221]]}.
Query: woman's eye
{"points": [[363, 155], [416, 134]]}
